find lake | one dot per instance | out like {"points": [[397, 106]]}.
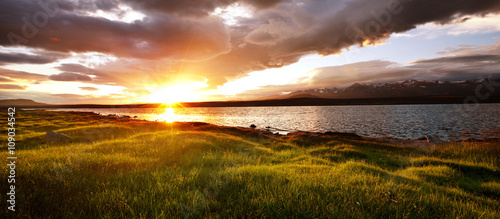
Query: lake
{"points": [[447, 122]]}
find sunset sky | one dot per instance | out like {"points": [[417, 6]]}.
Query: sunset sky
{"points": [[130, 51]]}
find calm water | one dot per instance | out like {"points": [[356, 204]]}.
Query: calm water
{"points": [[448, 122]]}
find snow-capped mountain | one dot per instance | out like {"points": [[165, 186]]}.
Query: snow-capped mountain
{"points": [[406, 88]]}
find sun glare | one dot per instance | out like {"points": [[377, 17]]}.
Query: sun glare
{"points": [[168, 116], [167, 95], [176, 93]]}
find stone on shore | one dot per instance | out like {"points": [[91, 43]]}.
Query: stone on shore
{"points": [[433, 139]]}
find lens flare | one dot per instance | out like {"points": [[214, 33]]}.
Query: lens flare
{"points": [[168, 116]]}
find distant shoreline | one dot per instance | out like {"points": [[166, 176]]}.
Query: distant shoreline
{"points": [[277, 102]]}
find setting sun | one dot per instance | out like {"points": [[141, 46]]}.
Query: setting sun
{"points": [[250, 108]]}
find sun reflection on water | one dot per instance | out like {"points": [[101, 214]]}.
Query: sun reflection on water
{"points": [[168, 116]]}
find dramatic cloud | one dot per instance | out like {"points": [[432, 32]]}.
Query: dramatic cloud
{"points": [[191, 40], [363, 22], [42, 57], [89, 88], [72, 67], [196, 7], [464, 59], [454, 68], [364, 72], [282, 35], [119, 73], [160, 35], [279, 35], [68, 76], [467, 62], [22, 75]]}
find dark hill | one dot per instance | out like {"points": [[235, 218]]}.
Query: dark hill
{"points": [[20, 102]]}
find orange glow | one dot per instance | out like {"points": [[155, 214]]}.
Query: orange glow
{"points": [[365, 43], [369, 42], [53, 39], [176, 93], [374, 41], [168, 116]]}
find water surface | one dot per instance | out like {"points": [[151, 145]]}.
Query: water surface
{"points": [[447, 122]]}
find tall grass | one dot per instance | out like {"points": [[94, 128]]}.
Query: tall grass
{"points": [[114, 168]]}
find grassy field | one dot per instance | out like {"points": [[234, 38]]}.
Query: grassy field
{"points": [[116, 168]]}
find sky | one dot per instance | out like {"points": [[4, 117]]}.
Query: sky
{"points": [[137, 51]]}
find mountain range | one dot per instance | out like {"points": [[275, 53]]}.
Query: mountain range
{"points": [[408, 88]]}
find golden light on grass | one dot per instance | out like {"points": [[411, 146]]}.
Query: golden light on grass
{"points": [[337, 175]]}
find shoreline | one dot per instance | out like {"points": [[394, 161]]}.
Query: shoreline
{"points": [[301, 101], [424, 142]]}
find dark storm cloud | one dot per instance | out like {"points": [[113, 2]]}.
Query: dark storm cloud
{"points": [[42, 57], [279, 33], [370, 21], [68, 76], [11, 87], [22, 75], [185, 7], [88, 5], [160, 35], [283, 34], [195, 7], [89, 88]]}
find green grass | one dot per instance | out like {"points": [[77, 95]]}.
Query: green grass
{"points": [[115, 169]]}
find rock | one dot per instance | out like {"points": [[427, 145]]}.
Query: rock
{"points": [[433, 139], [198, 124], [124, 117], [54, 136], [266, 132], [253, 126]]}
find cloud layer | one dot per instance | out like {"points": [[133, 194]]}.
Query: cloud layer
{"points": [[185, 39]]}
